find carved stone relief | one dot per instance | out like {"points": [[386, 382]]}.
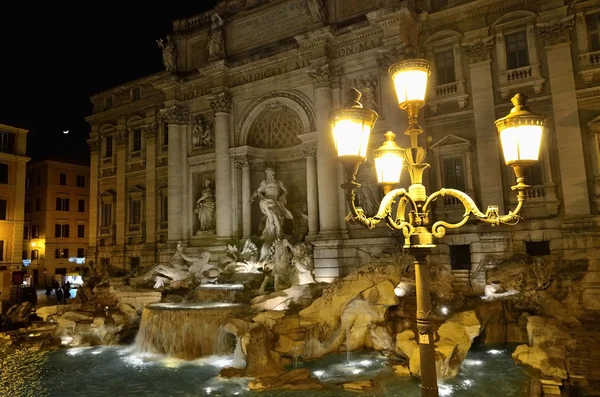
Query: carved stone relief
{"points": [[202, 133], [369, 87]]}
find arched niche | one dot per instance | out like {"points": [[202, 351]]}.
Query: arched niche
{"points": [[292, 103]]}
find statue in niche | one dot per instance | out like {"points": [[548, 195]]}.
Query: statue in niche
{"points": [[317, 11], [205, 208], [273, 201], [370, 94], [202, 134], [369, 194], [216, 40], [169, 54], [302, 262]]}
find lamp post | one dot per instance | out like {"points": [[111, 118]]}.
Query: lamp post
{"points": [[520, 134]]}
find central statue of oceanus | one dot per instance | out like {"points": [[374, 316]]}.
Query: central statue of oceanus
{"points": [[273, 201]]}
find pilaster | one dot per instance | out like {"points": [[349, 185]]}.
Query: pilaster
{"points": [[246, 192], [120, 219], [150, 132], [312, 196], [326, 153], [92, 230], [176, 117], [567, 124], [488, 148], [221, 105]]}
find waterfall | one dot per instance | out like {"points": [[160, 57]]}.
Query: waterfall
{"points": [[239, 358], [185, 331]]}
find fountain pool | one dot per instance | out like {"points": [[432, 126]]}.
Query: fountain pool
{"points": [[104, 371]]}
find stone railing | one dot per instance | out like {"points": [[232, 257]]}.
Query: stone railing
{"points": [[134, 229], [447, 93], [536, 193], [106, 230], [163, 226], [448, 89], [512, 79], [518, 74]]}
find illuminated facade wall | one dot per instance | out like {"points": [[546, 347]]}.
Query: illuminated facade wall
{"points": [[13, 144], [285, 57], [56, 229]]}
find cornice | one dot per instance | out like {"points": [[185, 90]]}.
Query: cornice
{"points": [[468, 11], [449, 118], [588, 93], [125, 110], [116, 90], [503, 108]]}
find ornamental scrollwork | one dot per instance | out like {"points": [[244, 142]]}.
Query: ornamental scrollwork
{"points": [[556, 32], [177, 114], [321, 76], [94, 144], [478, 51], [150, 130], [221, 103]]}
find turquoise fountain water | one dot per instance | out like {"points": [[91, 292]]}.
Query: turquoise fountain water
{"points": [[118, 371]]}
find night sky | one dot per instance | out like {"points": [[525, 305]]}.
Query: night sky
{"points": [[54, 57]]}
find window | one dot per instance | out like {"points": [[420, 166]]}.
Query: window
{"points": [[7, 142], [165, 135], [164, 209], [27, 206], [35, 231], [134, 263], [24, 254], [135, 212], [454, 173], [444, 67], [108, 102], [62, 180], [3, 210], [80, 181], [81, 252], [81, 231], [38, 204], [460, 257], [136, 93], [26, 232], [61, 230], [1, 250], [136, 140], [62, 204], [537, 248], [534, 175], [28, 182], [3, 173], [81, 205], [61, 253], [593, 24], [517, 54], [34, 255], [108, 146], [106, 214]]}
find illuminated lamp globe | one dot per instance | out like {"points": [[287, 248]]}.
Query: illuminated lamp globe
{"points": [[351, 127], [410, 78], [388, 162], [521, 135]]}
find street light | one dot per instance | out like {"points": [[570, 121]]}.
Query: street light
{"points": [[520, 134]]}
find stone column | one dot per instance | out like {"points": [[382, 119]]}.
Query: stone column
{"points": [[488, 147], [151, 208], [236, 205], [326, 154], [120, 219], [566, 115], [175, 117], [246, 192], [312, 193], [221, 105], [92, 228]]}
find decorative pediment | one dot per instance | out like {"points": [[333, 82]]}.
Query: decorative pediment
{"points": [[442, 37], [135, 121], [108, 193], [514, 17], [594, 125], [163, 185], [451, 140], [135, 190], [107, 128]]}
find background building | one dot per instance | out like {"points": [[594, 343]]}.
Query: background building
{"points": [[256, 89], [13, 145], [56, 231]]}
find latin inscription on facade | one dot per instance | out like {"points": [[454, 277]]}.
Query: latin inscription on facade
{"points": [[284, 20], [345, 50], [269, 71]]}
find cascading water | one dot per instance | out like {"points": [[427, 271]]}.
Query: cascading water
{"points": [[185, 331]]}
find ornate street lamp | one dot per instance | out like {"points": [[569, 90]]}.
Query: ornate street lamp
{"points": [[520, 134]]}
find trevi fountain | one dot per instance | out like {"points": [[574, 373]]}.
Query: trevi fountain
{"points": [[257, 321]]}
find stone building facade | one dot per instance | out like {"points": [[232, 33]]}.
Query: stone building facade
{"points": [[13, 147], [56, 231], [258, 78]]}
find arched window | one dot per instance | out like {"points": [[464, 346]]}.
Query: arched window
{"points": [[276, 127]]}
